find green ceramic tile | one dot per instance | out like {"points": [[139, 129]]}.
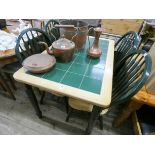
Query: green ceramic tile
{"points": [[82, 60], [87, 43], [54, 75], [104, 54], [63, 66], [91, 85], [82, 53], [104, 44], [94, 69], [100, 63], [78, 68], [72, 79], [95, 73]]}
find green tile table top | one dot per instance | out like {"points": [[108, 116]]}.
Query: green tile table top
{"points": [[82, 72], [83, 78]]}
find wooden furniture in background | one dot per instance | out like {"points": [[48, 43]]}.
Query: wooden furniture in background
{"points": [[121, 26], [7, 57], [142, 97]]}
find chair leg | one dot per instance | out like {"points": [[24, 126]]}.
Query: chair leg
{"points": [[42, 97], [101, 122], [94, 116], [70, 110], [9, 77], [6, 86], [39, 92], [33, 100], [2, 86]]}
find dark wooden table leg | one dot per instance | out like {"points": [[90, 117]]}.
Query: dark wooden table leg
{"points": [[66, 103], [33, 99], [42, 97], [94, 116]]}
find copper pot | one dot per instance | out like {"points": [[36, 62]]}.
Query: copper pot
{"points": [[80, 27]]}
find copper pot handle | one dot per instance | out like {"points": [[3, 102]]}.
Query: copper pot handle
{"points": [[64, 26], [46, 47], [77, 29], [68, 26], [61, 26]]}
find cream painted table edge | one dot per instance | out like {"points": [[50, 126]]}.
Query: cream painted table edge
{"points": [[102, 100]]}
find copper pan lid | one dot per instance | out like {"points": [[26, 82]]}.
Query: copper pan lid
{"points": [[39, 62]]}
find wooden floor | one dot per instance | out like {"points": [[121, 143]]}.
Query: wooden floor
{"points": [[18, 117]]}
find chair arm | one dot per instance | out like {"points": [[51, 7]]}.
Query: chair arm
{"points": [[145, 98]]}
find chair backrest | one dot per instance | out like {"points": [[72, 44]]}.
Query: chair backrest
{"points": [[123, 46], [52, 32], [131, 77], [27, 43]]}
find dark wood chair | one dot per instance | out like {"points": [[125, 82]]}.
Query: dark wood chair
{"points": [[126, 45], [27, 43], [51, 31], [129, 80], [26, 46]]}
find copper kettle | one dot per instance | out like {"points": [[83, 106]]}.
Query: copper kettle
{"points": [[63, 49]]}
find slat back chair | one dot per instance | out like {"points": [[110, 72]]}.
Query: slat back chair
{"points": [[129, 80], [52, 32], [131, 77], [27, 43], [127, 44]]}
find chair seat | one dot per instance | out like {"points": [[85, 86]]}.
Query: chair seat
{"points": [[83, 106], [12, 67]]}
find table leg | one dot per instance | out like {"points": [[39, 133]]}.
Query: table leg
{"points": [[66, 103], [42, 97], [132, 106], [94, 116], [33, 100]]}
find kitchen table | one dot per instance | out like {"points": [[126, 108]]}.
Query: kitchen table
{"points": [[83, 78]]}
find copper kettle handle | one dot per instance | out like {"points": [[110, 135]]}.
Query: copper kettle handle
{"points": [[46, 47]]}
